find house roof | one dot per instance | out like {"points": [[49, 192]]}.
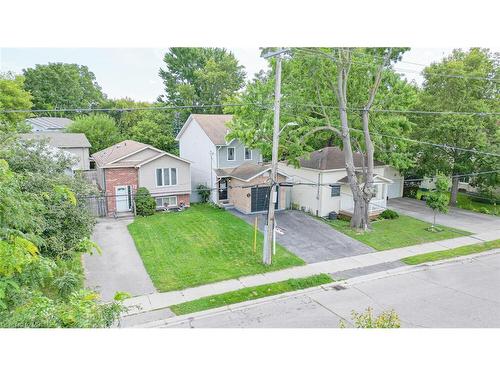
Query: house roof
{"points": [[112, 156], [48, 123], [332, 158], [60, 140], [245, 172], [359, 177], [214, 126]]}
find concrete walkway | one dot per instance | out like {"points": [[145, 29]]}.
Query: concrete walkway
{"points": [[119, 268], [162, 300]]}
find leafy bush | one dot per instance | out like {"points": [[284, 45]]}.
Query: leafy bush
{"points": [[145, 204], [204, 193], [389, 214], [410, 191], [387, 319], [484, 210]]}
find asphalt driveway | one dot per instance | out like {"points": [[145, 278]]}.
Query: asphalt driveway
{"points": [[309, 238], [456, 217], [119, 268]]}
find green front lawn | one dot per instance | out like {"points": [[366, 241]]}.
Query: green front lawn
{"points": [[465, 202], [248, 294], [452, 253], [201, 245], [400, 232]]}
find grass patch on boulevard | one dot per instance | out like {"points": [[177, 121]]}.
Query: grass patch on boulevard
{"points": [[201, 245], [248, 294], [466, 202], [452, 253], [403, 231]]}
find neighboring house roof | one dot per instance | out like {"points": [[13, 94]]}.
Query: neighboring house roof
{"points": [[332, 158], [359, 177], [214, 126], [245, 172], [60, 140], [112, 156], [49, 123]]}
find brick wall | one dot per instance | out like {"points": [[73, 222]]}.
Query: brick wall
{"points": [[241, 197], [183, 198], [118, 177]]}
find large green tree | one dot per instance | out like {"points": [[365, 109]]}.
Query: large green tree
{"points": [[13, 96], [200, 76], [100, 129], [447, 88], [329, 94], [44, 228], [60, 85]]}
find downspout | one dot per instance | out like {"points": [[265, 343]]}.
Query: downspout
{"points": [[318, 193]]}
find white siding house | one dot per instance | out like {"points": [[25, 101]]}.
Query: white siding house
{"points": [[320, 184]]}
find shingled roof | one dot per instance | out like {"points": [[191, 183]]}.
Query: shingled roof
{"points": [[332, 158], [49, 123], [214, 126], [60, 140]]}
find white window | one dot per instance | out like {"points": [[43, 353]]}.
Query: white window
{"points": [[166, 201], [166, 176], [230, 153], [248, 154]]}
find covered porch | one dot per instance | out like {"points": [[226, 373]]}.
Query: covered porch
{"points": [[378, 203]]}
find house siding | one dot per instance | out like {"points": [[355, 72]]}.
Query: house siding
{"points": [[318, 201], [82, 155], [147, 176], [195, 146], [118, 177], [239, 155]]}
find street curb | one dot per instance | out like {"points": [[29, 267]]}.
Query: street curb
{"points": [[348, 282]]}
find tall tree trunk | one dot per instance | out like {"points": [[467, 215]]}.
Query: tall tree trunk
{"points": [[454, 191]]}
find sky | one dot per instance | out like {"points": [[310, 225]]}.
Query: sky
{"points": [[133, 72]]}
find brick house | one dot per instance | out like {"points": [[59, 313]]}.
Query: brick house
{"points": [[126, 166]]}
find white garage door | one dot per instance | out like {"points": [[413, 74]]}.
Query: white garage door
{"points": [[394, 190]]}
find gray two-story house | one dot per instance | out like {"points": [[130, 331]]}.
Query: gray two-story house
{"points": [[232, 171]]}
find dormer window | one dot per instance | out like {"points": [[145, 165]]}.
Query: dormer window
{"points": [[230, 153], [248, 153]]}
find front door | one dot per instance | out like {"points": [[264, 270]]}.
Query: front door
{"points": [[122, 195], [222, 189]]}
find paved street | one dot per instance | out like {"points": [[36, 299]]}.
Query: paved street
{"points": [[456, 217], [456, 294], [119, 268], [309, 238]]}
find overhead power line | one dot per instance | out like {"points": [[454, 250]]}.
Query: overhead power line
{"points": [[152, 108], [403, 110]]}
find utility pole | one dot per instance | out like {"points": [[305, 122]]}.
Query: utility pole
{"points": [[270, 226]]}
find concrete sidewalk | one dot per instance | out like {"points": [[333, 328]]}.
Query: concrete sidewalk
{"points": [[157, 301]]}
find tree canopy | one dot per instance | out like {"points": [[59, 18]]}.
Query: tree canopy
{"points": [[444, 91], [100, 129], [308, 99], [60, 85], [13, 96], [200, 76]]}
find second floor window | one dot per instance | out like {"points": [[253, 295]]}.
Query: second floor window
{"points": [[248, 154], [230, 153], [166, 176]]}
